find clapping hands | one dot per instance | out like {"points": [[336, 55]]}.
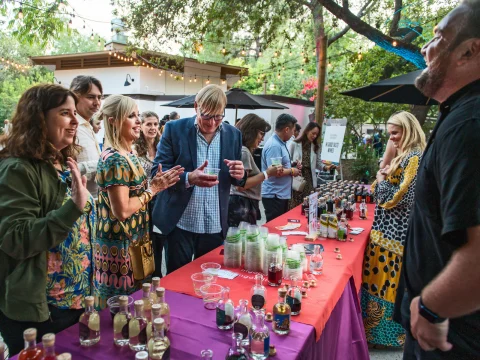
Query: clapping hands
{"points": [[163, 180]]}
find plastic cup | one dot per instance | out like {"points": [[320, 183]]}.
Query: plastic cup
{"points": [[200, 279], [211, 171], [276, 161], [113, 304], [211, 293], [212, 269]]}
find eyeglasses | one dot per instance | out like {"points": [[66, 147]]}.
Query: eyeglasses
{"points": [[262, 133], [93, 97], [207, 117]]}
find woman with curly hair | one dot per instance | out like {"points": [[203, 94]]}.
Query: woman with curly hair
{"points": [[47, 218]]}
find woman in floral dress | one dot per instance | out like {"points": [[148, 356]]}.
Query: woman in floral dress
{"points": [[124, 193], [394, 193]]}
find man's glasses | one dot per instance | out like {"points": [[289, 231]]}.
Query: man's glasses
{"points": [[207, 117], [93, 97]]}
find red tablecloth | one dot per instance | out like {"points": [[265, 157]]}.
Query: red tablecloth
{"points": [[318, 306]]}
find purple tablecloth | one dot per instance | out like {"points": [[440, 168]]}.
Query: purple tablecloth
{"points": [[193, 329]]}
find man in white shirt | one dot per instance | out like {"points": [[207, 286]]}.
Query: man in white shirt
{"points": [[90, 93]]}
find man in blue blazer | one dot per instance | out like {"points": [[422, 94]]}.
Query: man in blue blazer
{"points": [[193, 213]]}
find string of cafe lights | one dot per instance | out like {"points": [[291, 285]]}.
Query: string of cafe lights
{"points": [[12, 64]]}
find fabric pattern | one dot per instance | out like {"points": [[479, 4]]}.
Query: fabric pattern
{"points": [[384, 253], [88, 157], [113, 270], [147, 165], [69, 274], [297, 197], [202, 214]]}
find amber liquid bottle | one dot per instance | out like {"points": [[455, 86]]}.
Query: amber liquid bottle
{"points": [[32, 351]]}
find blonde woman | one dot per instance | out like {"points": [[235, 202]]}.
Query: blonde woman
{"points": [[123, 198], [394, 193]]}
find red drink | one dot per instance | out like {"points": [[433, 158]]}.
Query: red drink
{"points": [[275, 274]]}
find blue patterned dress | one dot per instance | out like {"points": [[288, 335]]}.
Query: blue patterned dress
{"points": [[113, 270], [70, 267]]}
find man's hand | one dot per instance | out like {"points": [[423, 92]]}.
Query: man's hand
{"points": [[199, 178], [275, 171], [236, 168], [429, 336], [299, 165]]}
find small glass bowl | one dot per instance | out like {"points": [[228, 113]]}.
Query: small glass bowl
{"points": [[200, 279], [212, 269], [114, 304], [211, 293]]}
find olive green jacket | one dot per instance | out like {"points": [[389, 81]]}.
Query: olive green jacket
{"points": [[32, 221]]}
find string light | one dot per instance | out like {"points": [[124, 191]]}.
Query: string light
{"points": [[171, 74], [99, 43], [290, 53], [70, 24], [160, 73], [243, 51], [278, 75], [329, 64], [91, 36], [61, 5], [190, 80], [223, 81], [275, 53], [223, 49], [20, 14], [195, 80], [314, 52], [208, 80], [302, 71], [258, 79], [182, 77], [394, 43], [260, 52], [360, 56]]}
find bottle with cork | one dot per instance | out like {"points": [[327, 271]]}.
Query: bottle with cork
{"points": [[281, 314], [147, 301], [137, 328], [159, 344], [89, 324], [48, 341], [153, 290], [120, 322], [164, 308], [31, 351]]}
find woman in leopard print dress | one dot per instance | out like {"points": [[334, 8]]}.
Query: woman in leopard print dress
{"points": [[394, 194]]}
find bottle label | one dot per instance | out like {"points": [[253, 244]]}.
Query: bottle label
{"points": [[281, 322], [258, 301], [240, 328], [220, 317]]}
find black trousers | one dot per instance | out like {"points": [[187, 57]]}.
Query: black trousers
{"points": [[12, 330], [274, 207], [182, 245]]}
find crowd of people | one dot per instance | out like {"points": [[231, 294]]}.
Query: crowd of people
{"points": [[69, 211]]}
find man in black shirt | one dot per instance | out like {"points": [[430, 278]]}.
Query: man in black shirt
{"points": [[441, 310]]}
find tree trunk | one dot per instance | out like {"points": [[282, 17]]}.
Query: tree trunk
{"points": [[321, 50], [420, 112]]}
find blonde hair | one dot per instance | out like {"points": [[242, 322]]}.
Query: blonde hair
{"points": [[211, 99], [413, 137], [117, 107]]}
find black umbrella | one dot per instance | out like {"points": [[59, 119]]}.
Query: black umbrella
{"points": [[399, 90], [236, 99]]}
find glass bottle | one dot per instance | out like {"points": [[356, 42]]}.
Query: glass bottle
{"points": [[281, 314], [48, 341], [316, 260], [275, 270], [225, 311], [120, 322], [330, 204], [64, 356], [207, 354], [164, 308], [153, 290], [243, 325], [236, 352], [155, 315], [349, 211], [137, 328], [89, 324], [304, 206], [259, 293], [31, 351], [322, 206], [342, 231], [259, 338], [294, 297], [159, 344], [363, 210], [147, 301]]}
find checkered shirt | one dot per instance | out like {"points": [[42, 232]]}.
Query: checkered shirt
{"points": [[202, 214]]}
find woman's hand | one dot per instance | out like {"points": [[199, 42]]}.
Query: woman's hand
{"points": [[275, 171], [80, 193], [299, 165], [163, 180], [381, 175]]}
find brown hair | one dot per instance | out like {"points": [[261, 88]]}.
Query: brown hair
{"points": [[303, 136], [141, 145], [28, 135], [82, 84], [249, 126]]}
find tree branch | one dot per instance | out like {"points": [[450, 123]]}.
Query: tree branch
{"points": [[360, 14], [345, 4], [397, 14], [408, 51]]}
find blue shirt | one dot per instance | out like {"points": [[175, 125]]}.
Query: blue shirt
{"points": [[276, 186], [202, 214]]}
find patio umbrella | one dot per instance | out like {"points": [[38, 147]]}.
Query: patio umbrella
{"points": [[399, 90], [236, 99]]}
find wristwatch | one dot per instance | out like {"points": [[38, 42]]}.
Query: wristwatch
{"points": [[429, 314], [265, 174]]}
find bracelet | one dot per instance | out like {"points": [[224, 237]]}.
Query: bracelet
{"points": [[265, 174], [429, 314], [145, 197], [291, 170]]}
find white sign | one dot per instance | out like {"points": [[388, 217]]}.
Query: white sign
{"points": [[332, 143], [312, 214]]}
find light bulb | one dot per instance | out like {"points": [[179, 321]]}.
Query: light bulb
{"points": [[20, 14], [394, 43]]}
